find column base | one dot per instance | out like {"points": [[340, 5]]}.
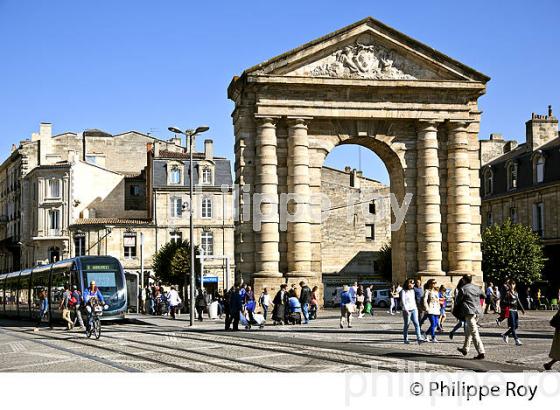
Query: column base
{"points": [[267, 274], [271, 284], [430, 273], [300, 274]]}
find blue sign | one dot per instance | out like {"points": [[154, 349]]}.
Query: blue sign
{"points": [[210, 279]]}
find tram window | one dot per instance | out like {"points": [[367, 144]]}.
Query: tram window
{"points": [[23, 293], [40, 281], [59, 279], [2, 281], [11, 293]]}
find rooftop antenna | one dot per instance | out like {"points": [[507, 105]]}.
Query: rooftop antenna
{"points": [[152, 131]]}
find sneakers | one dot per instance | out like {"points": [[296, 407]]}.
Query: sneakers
{"points": [[505, 338], [498, 323], [341, 326], [479, 357], [518, 342], [36, 329], [463, 351], [406, 342], [434, 340], [421, 341]]}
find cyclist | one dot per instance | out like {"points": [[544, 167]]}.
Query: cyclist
{"points": [[91, 293]]}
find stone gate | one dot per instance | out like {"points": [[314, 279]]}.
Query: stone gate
{"points": [[370, 85]]}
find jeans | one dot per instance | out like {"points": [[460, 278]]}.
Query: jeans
{"points": [[79, 319], [459, 325], [305, 310], [513, 323], [411, 315], [265, 311], [433, 325], [471, 334]]}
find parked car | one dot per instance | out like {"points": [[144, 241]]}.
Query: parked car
{"points": [[381, 298]]}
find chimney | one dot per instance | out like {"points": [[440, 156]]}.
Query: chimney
{"points": [[156, 149], [175, 141], [355, 178], [347, 169], [496, 137], [72, 157], [208, 150], [45, 141], [541, 129]]}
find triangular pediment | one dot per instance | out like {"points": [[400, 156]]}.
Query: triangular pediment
{"points": [[367, 50]]}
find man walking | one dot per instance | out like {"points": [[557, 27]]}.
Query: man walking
{"points": [[489, 297], [264, 301], [304, 299], [43, 307], [174, 300], [76, 294], [65, 307], [469, 300]]}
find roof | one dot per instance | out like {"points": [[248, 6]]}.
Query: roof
{"points": [[110, 221], [382, 30]]}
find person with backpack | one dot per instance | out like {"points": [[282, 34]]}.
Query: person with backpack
{"points": [[304, 300], [174, 301], [432, 307], [65, 306], [512, 301], [75, 303], [200, 304], [460, 322], [467, 309], [555, 348]]}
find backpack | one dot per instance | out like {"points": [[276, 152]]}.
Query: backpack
{"points": [[72, 302]]}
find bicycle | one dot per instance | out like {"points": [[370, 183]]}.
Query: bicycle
{"points": [[94, 324]]}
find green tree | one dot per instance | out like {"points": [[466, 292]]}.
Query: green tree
{"points": [[173, 261], [511, 251], [384, 262]]}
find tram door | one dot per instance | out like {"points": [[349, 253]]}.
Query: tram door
{"points": [[132, 283]]}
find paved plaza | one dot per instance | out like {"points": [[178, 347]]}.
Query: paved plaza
{"points": [[157, 344]]}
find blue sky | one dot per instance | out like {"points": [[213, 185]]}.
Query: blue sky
{"points": [[145, 65]]}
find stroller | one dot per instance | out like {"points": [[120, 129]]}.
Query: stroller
{"points": [[244, 320]]}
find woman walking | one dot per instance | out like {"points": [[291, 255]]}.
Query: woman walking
{"points": [[432, 306], [393, 297], [410, 311], [200, 304], [314, 305], [280, 301], [555, 348], [512, 302], [347, 307], [443, 306], [360, 301]]}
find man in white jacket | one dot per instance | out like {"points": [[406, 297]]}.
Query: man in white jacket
{"points": [[174, 301]]}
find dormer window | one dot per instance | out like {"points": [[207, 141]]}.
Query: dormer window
{"points": [[538, 169], [488, 182], [174, 175], [511, 175], [206, 176]]}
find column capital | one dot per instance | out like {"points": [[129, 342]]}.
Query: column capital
{"points": [[427, 125], [458, 125], [298, 121], [266, 121]]}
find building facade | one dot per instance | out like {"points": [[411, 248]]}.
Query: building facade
{"points": [[522, 182]]}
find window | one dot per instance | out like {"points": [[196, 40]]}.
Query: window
{"points": [[488, 182], [489, 220], [372, 207], [513, 214], [206, 207], [538, 218], [54, 254], [80, 245], [512, 176], [175, 175], [129, 242], [54, 222], [54, 188], [206, 175], [370, 232], [135, 190], [176, 207], [539, 169], [176, 237], [208, 242]]}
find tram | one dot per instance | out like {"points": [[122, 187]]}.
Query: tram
{"points": [[19, 291]]}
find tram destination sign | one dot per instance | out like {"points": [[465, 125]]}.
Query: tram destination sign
{"points": [[99, 266]]}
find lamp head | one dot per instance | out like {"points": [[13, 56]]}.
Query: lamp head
{"points": [[202, 128], [175, 130]]}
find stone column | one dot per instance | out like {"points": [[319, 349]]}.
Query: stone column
{"points": [[299, 230], [268, 255], [428, 201], [459, 235]]}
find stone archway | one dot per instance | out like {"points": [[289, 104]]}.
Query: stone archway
{"points": [[371, 85]]}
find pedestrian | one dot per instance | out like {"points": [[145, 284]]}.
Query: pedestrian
{"points": [[220, 299], [65, 306], [468, 301], [432, 307], [236, 306], [314, 304], [200, 304], [489, 296], [347, 307], [174, 301], [305, 300], [43, 307], [398, 307], [497, 300], [511, 300], [528, 298], [264, 302], [460, 323], [443, 305], [393, 300], [419, 296], [410, 311], [368, 297], [76, 294], [360, 298], [504, 309], [555, 348], [294, 314], [280, 302], [250, 304]]}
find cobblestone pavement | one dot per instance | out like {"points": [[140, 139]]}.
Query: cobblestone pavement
{"points": [[157, 344]]}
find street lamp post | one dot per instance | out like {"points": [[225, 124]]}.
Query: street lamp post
{"points": [[190, 134]]}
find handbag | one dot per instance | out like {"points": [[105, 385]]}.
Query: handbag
{"points": [[555, 321], [350, 307]]}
